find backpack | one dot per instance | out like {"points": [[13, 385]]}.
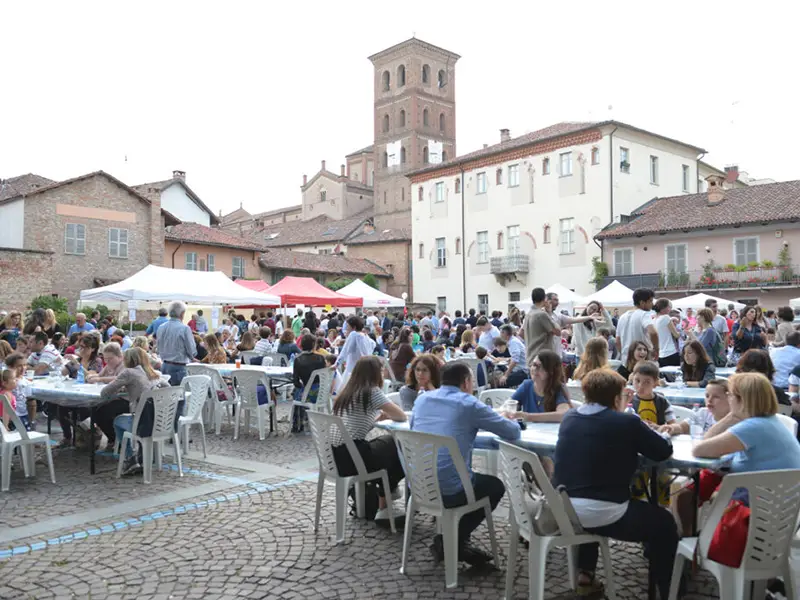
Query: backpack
{"points": [[718, 354]]}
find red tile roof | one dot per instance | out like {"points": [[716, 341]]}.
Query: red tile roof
{"points": [[200, 234], [22, 184], [387, 229], [768, 203], [287, 260], [320, 229]]}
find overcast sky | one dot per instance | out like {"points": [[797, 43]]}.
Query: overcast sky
{"points": [[247, 96]]}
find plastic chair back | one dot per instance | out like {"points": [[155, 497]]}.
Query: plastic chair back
{"points": [[420, 454], [774, 508], [512, 459], [322, 427], [495, 398], [476, 365], [394, 398], [246, 381], [217, 383], [266, 361], [324, 380], [247, 355], [395, 381], [165, 406], [789, 423], [199, 388], [14, 418]]}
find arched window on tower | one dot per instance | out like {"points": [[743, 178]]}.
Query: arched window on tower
{"points": [[425, 117], [426, 74], [425, 155], [441, 122], [403, 154], [401, 119], [385, 123], [401, 76], [442, 78], [387, 80]]}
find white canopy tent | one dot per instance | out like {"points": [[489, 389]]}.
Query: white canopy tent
{"points": [[372, 298], [567, 299], [154, 286], [614, 294], [698, 301]]}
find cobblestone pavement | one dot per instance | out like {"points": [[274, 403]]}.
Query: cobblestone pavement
{"points": [[253, 538]]}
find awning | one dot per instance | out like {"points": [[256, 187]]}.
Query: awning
{"points": [[305, 290], [372, 298]]}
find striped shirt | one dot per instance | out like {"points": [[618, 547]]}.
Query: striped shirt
{"points": [[358, 422]]}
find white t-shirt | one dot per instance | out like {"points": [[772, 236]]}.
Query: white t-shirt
{"points": [[635, 328], [372, 323], [720, 323], [706, 418], [667, 345]]}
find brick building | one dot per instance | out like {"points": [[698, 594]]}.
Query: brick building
{"points": [[63, 237], [199, 248]]}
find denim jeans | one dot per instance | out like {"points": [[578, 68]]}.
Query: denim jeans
{"points": [[483, 485], [124, 423], [176, 374]]}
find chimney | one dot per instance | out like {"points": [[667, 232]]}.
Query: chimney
{"points": [[505, 135], [731, 173], [181, 175], [323, 166], [305, 179], [716, 194], [156, 232], [342, 170]]}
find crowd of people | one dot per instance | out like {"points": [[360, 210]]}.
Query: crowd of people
{"points": [[623, 414]]}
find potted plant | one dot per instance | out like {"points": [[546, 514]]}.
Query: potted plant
{"points": [[753, 264], [767, 264]]}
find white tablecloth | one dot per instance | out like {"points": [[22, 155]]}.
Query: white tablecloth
{"points": [[226, 370], [67, 394], [720, 371]]}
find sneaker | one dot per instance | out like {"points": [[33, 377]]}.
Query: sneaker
{"points": [[466, 553], [131, 466], [383, 513]]}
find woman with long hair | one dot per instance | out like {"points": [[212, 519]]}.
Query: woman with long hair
{"points": [[216, 354], [247, 343], [287, 345], [401, 353], [696, 366], [51, 326], [583, 332], [360, 403], [460, 329], [423, 376], [543, 397], [637, 352], [595, 356], [12, 327], [785, 325], [88, 361], [746, 334], [515, 317], [467, 342], [759, 361]]}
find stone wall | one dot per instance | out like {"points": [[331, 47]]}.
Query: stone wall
{"points": [[392, 256], [25, 274]]}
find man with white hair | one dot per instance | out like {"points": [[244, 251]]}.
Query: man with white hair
{"points": [[81, 325], [176, 345]]}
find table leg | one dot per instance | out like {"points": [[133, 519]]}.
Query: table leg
{"points": [[49, 418], [74, 427], [695, 501], [91, 440], [651, 581]]}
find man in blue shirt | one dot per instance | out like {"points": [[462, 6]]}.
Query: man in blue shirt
{"points": [[517, 370], [452, 410], [80, 325], [162, 318], [786, 359]]}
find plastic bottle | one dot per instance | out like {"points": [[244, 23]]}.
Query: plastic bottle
{"points": [[679, 379], [81, 377], [630, 410], [447, 354], [291, 360], [696, 424]]}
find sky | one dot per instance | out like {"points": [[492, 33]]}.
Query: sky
{"points": [[246, 97]]}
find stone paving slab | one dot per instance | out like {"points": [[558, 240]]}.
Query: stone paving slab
{"points": [[262, 546]]}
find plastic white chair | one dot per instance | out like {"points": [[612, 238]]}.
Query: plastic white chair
{"points": [[394, 383], [789, 423], [321, 433], [25, 441], [569, 534], [476, 365], [575, 392], [420, 452], [199, 388], [394, 398], [495, 398], [219, 390], [682, 413], [165, 407], [324, 380], [246, 355], [774, 508], [245, 382], [785, 410], [266, 361]]}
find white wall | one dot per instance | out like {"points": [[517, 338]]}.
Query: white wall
{"points": [[539, 200], [175, 200], [12, 224]]}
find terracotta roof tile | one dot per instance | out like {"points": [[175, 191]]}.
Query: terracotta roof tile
{"points": [[316, 230], [387, 229], [200, 234], [22, 184], [775, 202], [288, 260]]}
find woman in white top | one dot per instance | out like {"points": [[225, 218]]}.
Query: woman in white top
{"points": [[360, 404], [356, 345], [667, 335]]}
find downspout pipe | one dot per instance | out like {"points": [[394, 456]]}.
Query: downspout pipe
{"points": [[175, 252], [463, 247]]}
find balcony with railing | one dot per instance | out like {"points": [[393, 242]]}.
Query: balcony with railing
{"points": [[509, 267], [720, 278]]}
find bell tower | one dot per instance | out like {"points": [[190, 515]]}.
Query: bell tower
{"points": [[415, 118]]}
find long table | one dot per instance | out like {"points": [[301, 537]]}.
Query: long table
{"points": [[73, 396], [720, 371], [227, 369]]}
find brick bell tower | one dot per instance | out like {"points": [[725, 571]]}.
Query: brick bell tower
{"points": [[415, 113]]}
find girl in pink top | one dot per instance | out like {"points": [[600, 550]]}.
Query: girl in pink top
{"points": [[8, 383]]}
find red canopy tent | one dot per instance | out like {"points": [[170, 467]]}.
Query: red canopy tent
{"points": [[304, 290], [255, 285]]}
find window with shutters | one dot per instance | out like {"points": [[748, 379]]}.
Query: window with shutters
{"points": [[441, 304], [117, 242], [190, 263], [676, 258], [512, 233], [238, 267], [480, 181], [440, 192], [623, 261], [483, 303], [210, 263], [441, 252], [75, 239], [483, 246], [565, 164], [745, 251], [567, 235], [513, 175]]}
